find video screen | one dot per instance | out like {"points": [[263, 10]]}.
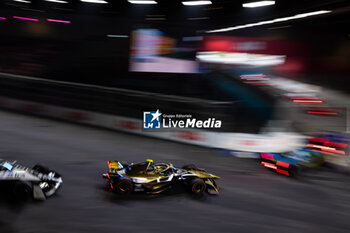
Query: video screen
{"points": [[153, 51]]}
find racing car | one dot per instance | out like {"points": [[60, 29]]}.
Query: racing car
{"points": [[155, 178], [22, 182], [291, 163]]}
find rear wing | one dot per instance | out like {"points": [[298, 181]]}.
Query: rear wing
{"points": [[114, 166]]}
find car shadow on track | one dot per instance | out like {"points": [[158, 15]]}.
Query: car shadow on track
{"points": [[177, 190], [7, 199], [10, 209]]}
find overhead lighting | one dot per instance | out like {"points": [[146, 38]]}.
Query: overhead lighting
{"points": [[198, 18], [142, 1], [58, 21], [118, 36], [192, 38], [29, 9], [155, 18], [56, 1], [62, 9], [24, 1], [258, 4], [241, 58], [214, 8], [94, 1], [155, 15], [277, 20], [23, 18], [196, 3], [2, 18]]}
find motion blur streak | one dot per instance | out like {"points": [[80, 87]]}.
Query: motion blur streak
{"points": [[56, 1], [314, 139], [267, 156], [142, 2], [327, 149], [282, 164], [95, 1], [24, 1], [321, 147], [118, 36], [196, 3], [308, 101], [58, 21], [269, 165], [324, 113], [298, 16], [24, 18], [258, 4], [306, 98], [255, 76], [282, 172], [326, 109], [335, 144], [327, 142]]}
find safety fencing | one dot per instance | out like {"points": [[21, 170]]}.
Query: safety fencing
{"points": [[40, 97]]}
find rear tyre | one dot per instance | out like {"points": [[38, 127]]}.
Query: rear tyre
{"points": [[123, 186], [22, 191], [295, 171], [197, 186], [190, 167]]}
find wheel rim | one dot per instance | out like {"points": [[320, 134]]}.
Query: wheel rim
{"points": [[198, 188], [124, 187]]}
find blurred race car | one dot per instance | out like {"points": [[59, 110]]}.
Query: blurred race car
{"points": [[291, 163], [38, 182], [155, 178]]}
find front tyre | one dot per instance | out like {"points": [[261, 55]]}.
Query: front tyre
{"points": [[198, 186], [22, 191]]}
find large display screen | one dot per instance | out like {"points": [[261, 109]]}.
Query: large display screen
{"points": [[153, 51]]}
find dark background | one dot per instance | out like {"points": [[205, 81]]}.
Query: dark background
{"points": [[82, 52]]}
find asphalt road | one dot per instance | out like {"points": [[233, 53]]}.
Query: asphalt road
{"points": [[251, 199]]}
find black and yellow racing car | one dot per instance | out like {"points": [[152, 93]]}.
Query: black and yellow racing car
{"points": [[155, 178]]}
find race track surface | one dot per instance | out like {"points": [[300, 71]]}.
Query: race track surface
{"points": [[251, 199]]}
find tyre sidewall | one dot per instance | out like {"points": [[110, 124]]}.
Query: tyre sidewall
{"points": [[22, 191], [123, 186], [197, 186]]}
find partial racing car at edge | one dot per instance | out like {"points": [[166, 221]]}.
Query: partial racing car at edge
{"points": [[22, 182]]}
